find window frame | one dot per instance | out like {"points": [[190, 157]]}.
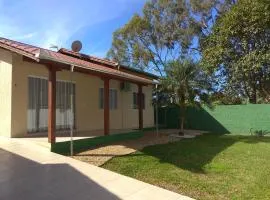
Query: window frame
{"points": [[135, 102], [113, 98]]}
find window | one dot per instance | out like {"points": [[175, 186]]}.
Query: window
{"points": [[101, 98], [112, 98], [136, 100]]}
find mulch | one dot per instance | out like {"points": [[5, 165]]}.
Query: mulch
{"points": [[102, 154]]}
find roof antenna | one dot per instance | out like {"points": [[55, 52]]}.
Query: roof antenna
{"points": [[54, 47], [76, 46]]}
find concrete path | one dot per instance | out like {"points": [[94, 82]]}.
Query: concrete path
{"points": [[29, 171]]}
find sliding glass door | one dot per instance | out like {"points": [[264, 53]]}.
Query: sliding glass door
{"points": [[37, 116]]}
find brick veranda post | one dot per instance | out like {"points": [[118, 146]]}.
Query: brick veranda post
{"points": [[106, 106], [51, 104], [140, 106]]}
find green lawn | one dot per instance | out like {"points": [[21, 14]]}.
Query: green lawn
{"points": [[207, 167]]}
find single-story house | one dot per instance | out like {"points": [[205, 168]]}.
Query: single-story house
{"points": [[45, 91]]}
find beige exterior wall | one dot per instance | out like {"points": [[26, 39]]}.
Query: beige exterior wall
{"points": [[5, 92], [125, 116], [148, 113], [88, 115]]}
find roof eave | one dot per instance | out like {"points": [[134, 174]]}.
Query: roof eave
{"points": [[140, 72], [12, 49]]}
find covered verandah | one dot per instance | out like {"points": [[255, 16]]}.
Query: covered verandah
{"points": [[56, 63]]}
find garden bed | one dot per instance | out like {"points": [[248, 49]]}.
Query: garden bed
{"points": [[101, 154]]}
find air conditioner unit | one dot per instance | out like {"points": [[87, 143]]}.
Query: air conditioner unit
{"points": [[125, 86]]}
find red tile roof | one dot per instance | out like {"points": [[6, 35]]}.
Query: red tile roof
{"points": [[71, 58], [21, 48], [87, 57], [107, 62]]}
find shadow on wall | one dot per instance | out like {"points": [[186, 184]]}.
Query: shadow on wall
{"points": [[201, 119], [234, 119], [198, 119], [23, 178]]}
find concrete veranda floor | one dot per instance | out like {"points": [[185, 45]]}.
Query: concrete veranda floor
{"points": [[63, 136], [30, 171]]}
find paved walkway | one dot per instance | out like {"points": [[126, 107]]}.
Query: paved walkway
{"points": [[29, 171]]}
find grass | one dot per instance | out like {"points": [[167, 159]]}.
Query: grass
{"points": [[207, 167], [85, 144]]}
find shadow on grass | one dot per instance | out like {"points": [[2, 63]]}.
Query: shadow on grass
{"points": [[90, 143], [187, 154], [194, 154]]}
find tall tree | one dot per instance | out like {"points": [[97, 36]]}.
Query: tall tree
{"points": [[167, 30], [187, 85], [239, 49]]}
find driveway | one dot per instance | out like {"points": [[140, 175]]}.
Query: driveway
{"points": [[29, 171]]}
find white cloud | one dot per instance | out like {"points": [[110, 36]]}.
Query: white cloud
{"points": [[50, 22], [25, 36]]}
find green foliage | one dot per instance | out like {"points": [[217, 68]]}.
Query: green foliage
{"points": [[259, 133], [186, 84], [220, 98], [164, 32], [238, 48]]}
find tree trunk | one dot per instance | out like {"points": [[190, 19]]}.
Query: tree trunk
{"points": [[182, 124], [182, 119], [253, 96], [182, 110]]}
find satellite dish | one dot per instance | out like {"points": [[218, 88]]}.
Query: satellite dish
{"points": [[76, 46]]}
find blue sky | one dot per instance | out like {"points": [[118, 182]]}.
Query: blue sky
{"points": [[59, 22]]}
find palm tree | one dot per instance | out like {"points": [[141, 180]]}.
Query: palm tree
{"points": [[187, 85]]}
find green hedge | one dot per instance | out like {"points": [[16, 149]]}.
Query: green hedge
{"points": [[236, 119], [85, 144]]}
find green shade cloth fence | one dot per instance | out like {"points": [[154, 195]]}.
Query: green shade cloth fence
{"points": [[236, 119]]}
